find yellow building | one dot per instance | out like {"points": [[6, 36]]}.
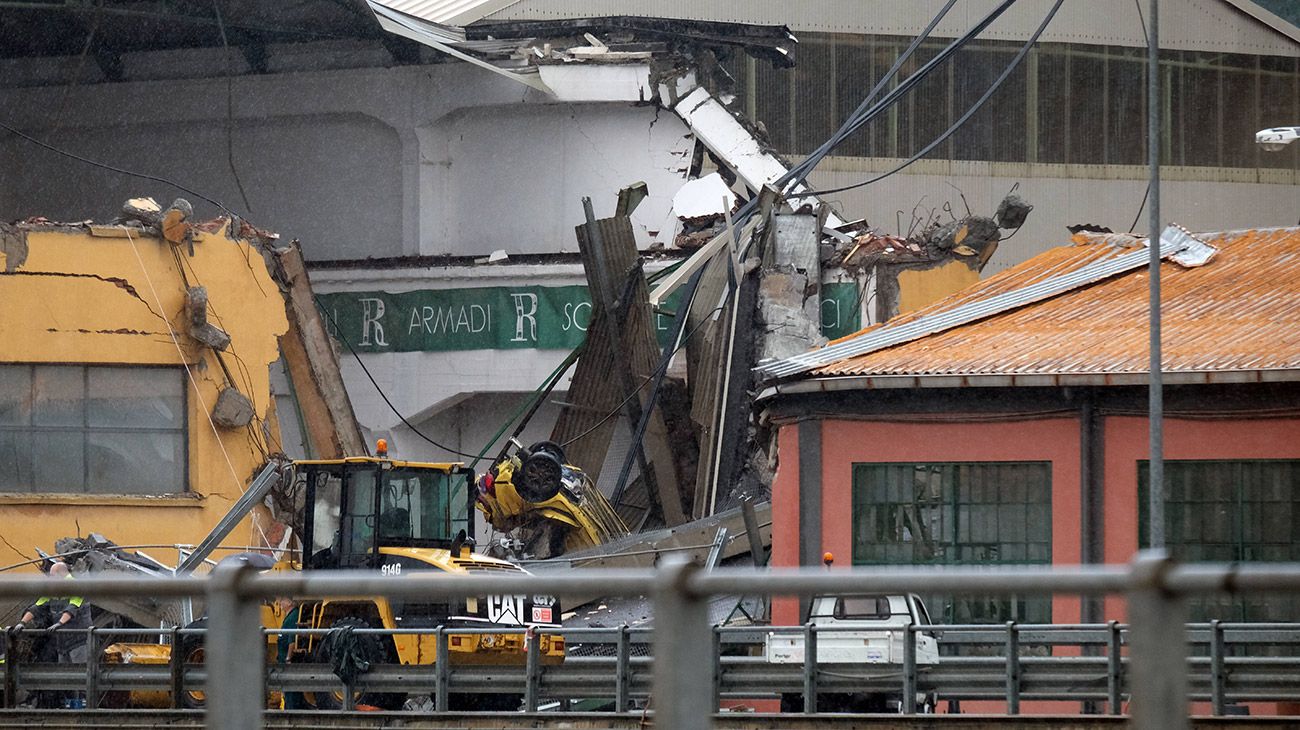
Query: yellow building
{"points": [[107, 389]]}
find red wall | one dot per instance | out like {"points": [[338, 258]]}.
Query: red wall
{"points": [[847, 442], [1127, 443]]}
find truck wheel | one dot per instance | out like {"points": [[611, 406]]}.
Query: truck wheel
{"points": [[192, 652], [548, 447], [372, 650]]}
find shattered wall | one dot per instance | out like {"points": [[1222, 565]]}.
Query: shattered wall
{"points": [[111, 295]]}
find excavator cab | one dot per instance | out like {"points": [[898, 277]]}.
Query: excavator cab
{"points": [[359, 510], [398, 517]]}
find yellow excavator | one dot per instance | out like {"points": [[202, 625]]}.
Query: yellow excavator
{"points": [[395, 517], [550, 507]]}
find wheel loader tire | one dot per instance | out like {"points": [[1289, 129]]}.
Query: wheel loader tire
{"points": [[192, 651], [373, 650], [539, 479]]}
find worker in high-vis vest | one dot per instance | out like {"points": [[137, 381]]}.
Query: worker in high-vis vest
{"points": [[67, 616]]}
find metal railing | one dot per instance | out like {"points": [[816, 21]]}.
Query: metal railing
{"points": [[685, 645], [1010, 662]]}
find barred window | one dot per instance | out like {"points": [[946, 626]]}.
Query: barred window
{"points": [[1229, 511], [957, 514], [92, 430], [1066, 103]]}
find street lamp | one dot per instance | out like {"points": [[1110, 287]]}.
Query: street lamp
{"points": [[1276, 138]]}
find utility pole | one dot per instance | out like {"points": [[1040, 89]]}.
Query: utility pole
{"points": [[1156, 483]]}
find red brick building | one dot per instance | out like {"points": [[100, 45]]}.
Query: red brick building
{"points": [[1007, 425]]}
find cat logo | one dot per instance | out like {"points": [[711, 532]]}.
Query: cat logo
{"points": [[505, 609]]}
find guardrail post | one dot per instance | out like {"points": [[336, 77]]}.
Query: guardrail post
{"points": [[1217, 675], [809, 668], [11, 670], [92, 668], [1158, 637], [236, 693], [176, 663], [442, 664], [909, 670], [532, 663], [1114, 669], [622, 670], [681, 638], [1013, 668]]}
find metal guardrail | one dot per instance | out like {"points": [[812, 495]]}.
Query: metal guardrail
{"points": [[684, 643], [1011, 662]]}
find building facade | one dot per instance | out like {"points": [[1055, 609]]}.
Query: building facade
{"points": [[1019, 436]]}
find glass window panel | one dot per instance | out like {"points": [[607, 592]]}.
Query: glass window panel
{"points": [[1240, 112], [973, 73], [1279, 105], [1088, 97], [1006, 111], [813, 90], [15, 395], [1126, 118], [15, 461], [1053, 104], [58, 396], [1197, 100], [135, 398], [924, 521], [135, 462], [772, 104], [58, 462], [928, 107], [854, 77]]}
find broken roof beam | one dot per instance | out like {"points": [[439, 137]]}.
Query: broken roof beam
{"points": [[312, 365], [672, 282], [737, 147]]}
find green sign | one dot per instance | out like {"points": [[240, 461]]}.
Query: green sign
{"points": [[841, 310], [503, 317]]}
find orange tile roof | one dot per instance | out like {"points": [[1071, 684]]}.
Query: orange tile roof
{"points": [[1240, 312]]}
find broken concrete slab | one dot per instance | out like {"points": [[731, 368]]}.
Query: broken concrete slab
{"points": [[703, 197], [232, 410], [196, 307], [13, 246]]}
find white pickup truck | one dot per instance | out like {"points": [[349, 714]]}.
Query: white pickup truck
{"points": [[867, 641]]}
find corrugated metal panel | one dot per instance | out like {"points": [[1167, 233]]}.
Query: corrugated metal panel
{"points": [[1239, 312], [447, 12], [1194, 25]]}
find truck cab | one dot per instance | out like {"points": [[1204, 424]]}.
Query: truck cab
{"points": [[858, 634]]}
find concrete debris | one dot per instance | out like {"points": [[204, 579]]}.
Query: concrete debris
{"points": [[706, 197], [196, 306], [1012, 212], [175, 224], [13, 246], [973, 234], [789, 299], [233, 409], [97, 555], [144, 210]]}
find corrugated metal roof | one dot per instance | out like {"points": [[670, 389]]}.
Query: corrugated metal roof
{"points": [[448, 12], [1240, 312]]}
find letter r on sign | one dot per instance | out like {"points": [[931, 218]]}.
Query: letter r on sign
{"points": [[525, 311], [371, 311]]}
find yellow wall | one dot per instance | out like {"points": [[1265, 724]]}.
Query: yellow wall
{"points": [[919, 287], [108, 299]]}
